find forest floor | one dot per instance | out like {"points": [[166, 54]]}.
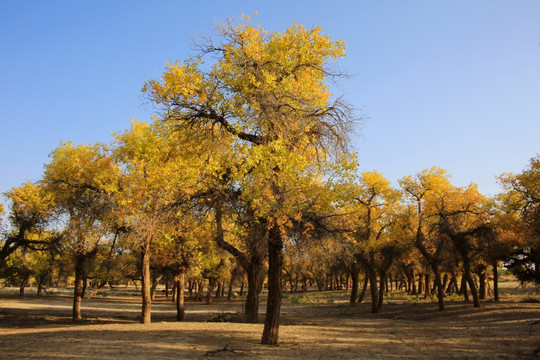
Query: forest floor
{"points": [[315, 325]]}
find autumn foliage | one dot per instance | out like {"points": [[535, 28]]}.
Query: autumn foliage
{"points": [[247, 174]]}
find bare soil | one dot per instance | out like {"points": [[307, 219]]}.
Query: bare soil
{"points": [[315, 325]]}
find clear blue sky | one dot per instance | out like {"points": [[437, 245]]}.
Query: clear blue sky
{"points": [[454, 84]]}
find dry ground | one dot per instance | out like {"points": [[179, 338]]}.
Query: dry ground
{"points": [[314, 326]]}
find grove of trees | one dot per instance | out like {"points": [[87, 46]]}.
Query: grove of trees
{"points": [[245, 175]]}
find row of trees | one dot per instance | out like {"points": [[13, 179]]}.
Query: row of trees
{"points": [[247, 173]]}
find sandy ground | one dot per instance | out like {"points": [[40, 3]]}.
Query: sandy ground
{"points": [[40, 328]]}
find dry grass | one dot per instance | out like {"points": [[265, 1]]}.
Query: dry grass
{"points": [[314, 326]]}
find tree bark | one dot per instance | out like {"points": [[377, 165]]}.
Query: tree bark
{"points": [[374, 291], [275, 292], [78, 291], [180, 311], [251, 308], [146, 284]]}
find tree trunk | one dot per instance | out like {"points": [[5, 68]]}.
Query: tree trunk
{"points": [[420, 284], [463, 289], [146, 284], [374, 291], [414, 291], [445, 282], [495, 281], [427, 285], [470, 281], [251, 308], [382, 282], [354, 287], [78, 291], [211, 285], [440, 286], [234, 274], [364, 288], [275, 292], [180, 312], [482, 285], [22, 286]]}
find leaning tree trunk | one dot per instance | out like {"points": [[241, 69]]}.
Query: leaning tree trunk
{"points": [[78, 292], [275, 292], [364, 288], [180, 312], [146, 284], [468, 276]]}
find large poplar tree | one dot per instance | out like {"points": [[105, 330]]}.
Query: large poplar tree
{"points": [[268, 90]]}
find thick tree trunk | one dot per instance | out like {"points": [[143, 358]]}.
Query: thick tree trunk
{"points": [[146, 284], [180, 311], [251, 308], [495, 281], [78, 291], [273, 306]]}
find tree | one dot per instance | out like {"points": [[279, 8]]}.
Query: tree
{"points": [[159, 179], [373, 213], [521, 201], [268, 92], [462, 216], [82, 180], [31, 209], [424, 189]]}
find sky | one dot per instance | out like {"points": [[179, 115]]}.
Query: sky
{"points": [[453, 84]]}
